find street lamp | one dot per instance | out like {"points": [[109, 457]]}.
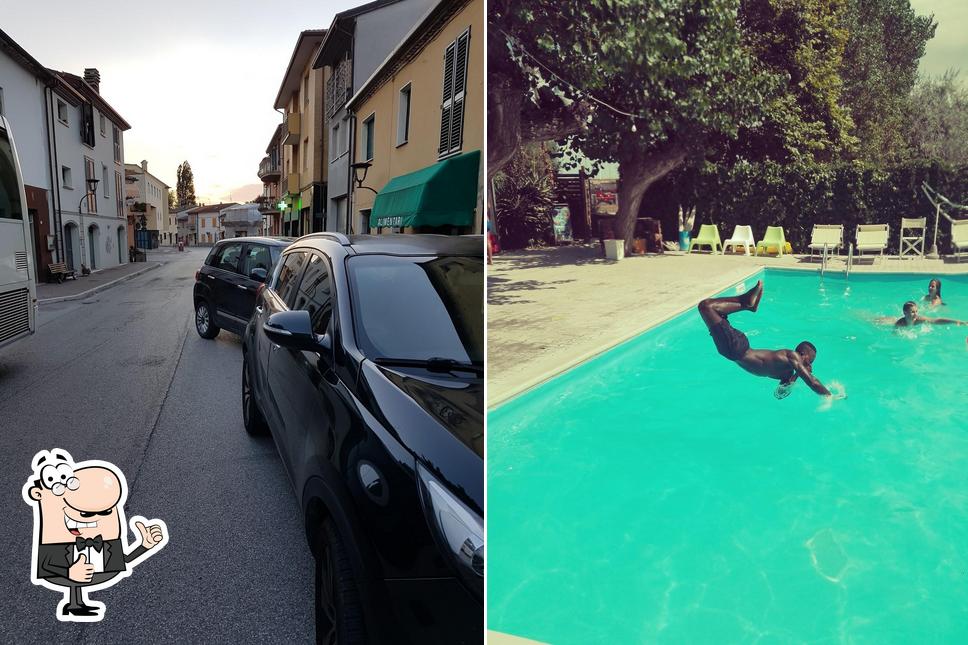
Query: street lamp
{"points": [[91, 190], [364, 166]]}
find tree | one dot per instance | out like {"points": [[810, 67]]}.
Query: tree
{"points": [[524, 193], [172, 200], [880, 65], [185, 185], [937, 120], [669, 77]]}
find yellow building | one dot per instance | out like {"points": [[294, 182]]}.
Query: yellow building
{"points": [[420, 129], [302, 164]]}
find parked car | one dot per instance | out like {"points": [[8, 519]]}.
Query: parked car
{"points": [[365, 361], [226, 285]]}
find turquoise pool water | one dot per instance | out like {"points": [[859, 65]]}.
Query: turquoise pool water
{"points": [[658, 493]]}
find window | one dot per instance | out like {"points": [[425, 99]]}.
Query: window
{"points": [[455, 93], [89, 174], [228, 257], [119, 193], [287, 276], [62, 112], [315, 294], [104, 181], [306, 90], [117, 145], [334, 143], [87, 124], [305, 153], [403, 116], [104, 127], [366, 138], [66, 177], [257, 256], [364, 223]]}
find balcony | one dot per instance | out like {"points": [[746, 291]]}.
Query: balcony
{"points": [[269, 171], [290, 130], [292, 183]]}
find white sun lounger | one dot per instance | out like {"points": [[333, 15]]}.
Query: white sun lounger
{"points": [[831, 235], [742, 236], [872, 238], [959, 237]]}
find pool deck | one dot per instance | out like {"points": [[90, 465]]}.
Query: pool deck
{"points": [[551, 309]]}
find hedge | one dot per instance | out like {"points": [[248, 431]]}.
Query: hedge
{"points": [[796, 198]]}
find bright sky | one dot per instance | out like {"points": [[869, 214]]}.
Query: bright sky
{"points": [[949, 47], [196, 79]]}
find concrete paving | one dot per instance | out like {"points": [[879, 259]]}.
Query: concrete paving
{"points": [[551, 309]]}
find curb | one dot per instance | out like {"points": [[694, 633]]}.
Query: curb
{"points": [[101, 287]]}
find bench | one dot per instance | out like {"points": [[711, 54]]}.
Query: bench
{"points": [[59, 271]]}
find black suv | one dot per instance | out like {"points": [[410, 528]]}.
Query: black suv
{"points": [[365, 360], [226, 285]]}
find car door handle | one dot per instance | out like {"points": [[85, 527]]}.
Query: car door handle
{"points": [[242, 287], [210, 277]]}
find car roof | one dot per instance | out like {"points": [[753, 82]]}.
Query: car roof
{"points": [[404, 243], [272, 241]]}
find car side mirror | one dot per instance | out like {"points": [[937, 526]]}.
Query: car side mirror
{"points": [[293, 330], [258, 274]]}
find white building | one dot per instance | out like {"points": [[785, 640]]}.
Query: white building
{"points": [[148, 207], [242, 220], [89, 145]]}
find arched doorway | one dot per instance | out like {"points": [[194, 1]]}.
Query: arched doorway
{"points": [[72, 242], [121, 244], [93, 239]]}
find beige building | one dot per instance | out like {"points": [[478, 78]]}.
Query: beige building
{"points": [[146, 198], [420, 127], [270, 172], [302, 161], [209, 227]]}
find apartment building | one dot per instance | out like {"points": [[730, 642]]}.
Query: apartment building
{"points": [[147, 208], [209, 227], [270, 172], [424, 174]]}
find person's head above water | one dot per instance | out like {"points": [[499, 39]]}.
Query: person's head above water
{"points": [[807, 351], [910, 311], [934, 290]]}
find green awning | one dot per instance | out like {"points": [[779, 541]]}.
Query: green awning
{"points": [[444, 194]]}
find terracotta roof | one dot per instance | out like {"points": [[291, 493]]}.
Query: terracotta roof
{"points": [[90, 94], [211, 208]]}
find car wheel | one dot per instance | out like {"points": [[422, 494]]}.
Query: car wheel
{"points": [[204, 323], [339, 612], [255, 423]]}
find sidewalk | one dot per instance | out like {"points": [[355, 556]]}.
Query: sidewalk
{"points": [[551, 309], [89, 284]]}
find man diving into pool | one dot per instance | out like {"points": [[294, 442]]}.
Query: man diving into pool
{"points": [[785, 365]]}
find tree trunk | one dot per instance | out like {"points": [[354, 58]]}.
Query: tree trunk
{"points": [[635, 177]]}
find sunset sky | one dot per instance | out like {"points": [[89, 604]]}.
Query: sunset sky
{"points": [[195, 79]]}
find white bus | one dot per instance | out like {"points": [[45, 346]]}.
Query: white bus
{"points": [[18, 288]]}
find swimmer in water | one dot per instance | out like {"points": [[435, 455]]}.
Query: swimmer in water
{"points": [[784, 365], [933, 297], [911, 318]]}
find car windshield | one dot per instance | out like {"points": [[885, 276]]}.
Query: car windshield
{"points": [[418, 308]]}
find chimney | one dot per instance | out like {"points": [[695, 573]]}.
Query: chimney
{"points": [[144, 165], [93, 78]]}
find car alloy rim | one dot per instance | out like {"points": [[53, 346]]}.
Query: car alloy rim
{"points": [[201, 318], [325, 585]]}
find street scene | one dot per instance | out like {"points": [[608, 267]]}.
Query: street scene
{"points": [[727, 321], [242, 385]]}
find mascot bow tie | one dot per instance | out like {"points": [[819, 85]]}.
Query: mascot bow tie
{"points": [[83, 543]]}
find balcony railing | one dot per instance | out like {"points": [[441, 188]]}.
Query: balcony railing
{"points": [[291, 129], [269, 171]]}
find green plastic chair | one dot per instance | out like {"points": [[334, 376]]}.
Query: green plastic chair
{"points": [[708, 236], [773, 237]]}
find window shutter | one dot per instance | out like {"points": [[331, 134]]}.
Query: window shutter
{"points": [[446, 107], [460, 90]]}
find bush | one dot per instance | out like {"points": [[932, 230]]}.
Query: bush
{"points": [[797, 197], [524, 194]]}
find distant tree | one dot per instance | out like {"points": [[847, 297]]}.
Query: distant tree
{"points": [[880, 66], [185, 184], [172, 200], [937, 120]]}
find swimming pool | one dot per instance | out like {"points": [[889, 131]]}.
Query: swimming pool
{"points": [[658, 493]]}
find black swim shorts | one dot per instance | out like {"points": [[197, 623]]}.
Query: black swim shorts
{"points": [[730, 342]]}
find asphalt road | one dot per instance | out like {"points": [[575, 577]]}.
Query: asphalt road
{"points": [[123, 377]]}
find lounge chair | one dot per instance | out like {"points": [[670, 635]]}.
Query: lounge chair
{"points": [[708, 236], [829, 235], [773, 239], [872, 238], [959, 237], [912, 236], [742, 236]]}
